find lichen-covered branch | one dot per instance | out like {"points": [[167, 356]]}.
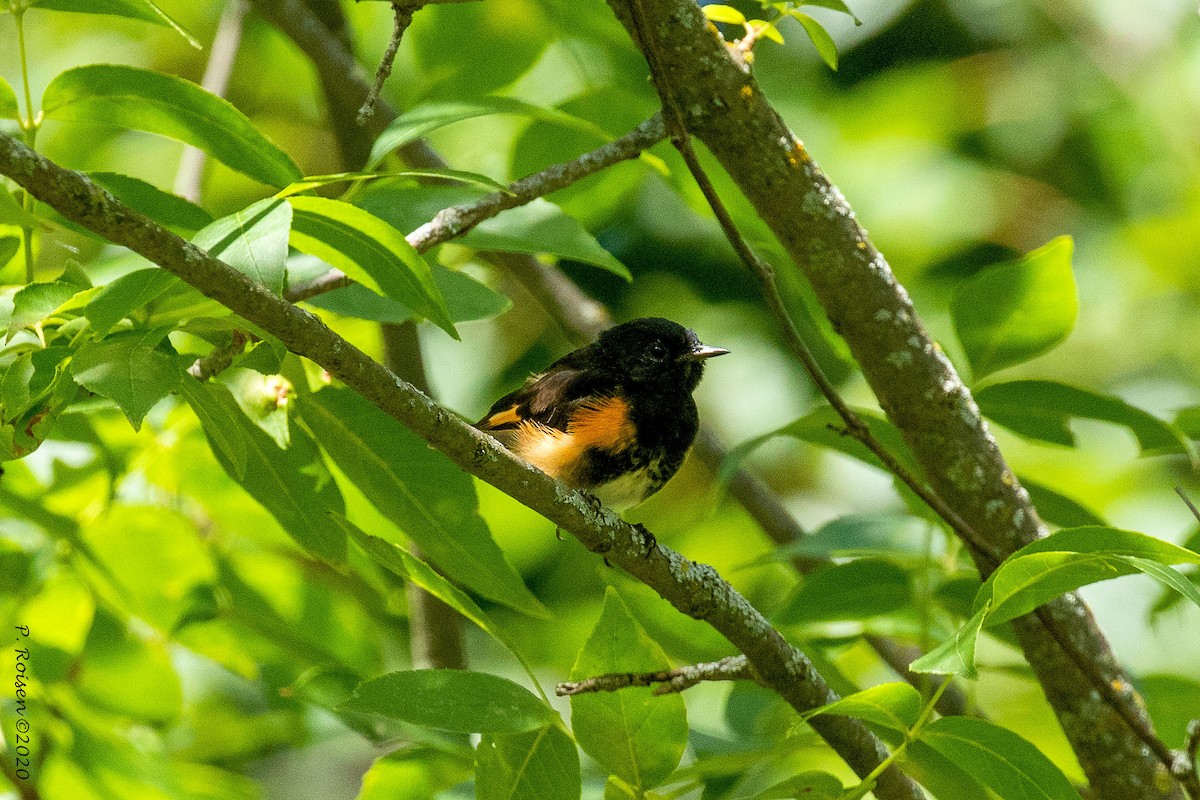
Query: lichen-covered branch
{"points": [[695, 589], [915, 384], [667, 681]]}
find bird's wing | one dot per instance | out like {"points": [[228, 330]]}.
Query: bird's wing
{"points": [[546, 399]]}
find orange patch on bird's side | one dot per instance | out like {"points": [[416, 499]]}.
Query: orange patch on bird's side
{"points": [[604, 424], [552, 451]]}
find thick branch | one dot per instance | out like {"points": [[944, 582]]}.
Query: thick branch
{"points": [[915, 383], [695, 589], [732, 668]]}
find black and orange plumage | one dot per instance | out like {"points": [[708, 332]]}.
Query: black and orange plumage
{"points": [[614, 418]]}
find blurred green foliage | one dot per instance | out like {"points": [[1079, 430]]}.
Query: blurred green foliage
{"points": [[184, 645]]}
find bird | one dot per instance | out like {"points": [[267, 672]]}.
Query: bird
{"points": [[614, 418]]}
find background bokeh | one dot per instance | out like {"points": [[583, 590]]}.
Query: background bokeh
{"points": [[963, 132]]}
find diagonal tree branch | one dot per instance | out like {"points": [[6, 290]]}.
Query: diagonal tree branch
{"points": [[695, 589], [733, 668], [915, 383]]}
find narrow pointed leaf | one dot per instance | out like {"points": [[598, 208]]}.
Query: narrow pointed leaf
{"points": [[172, 211], [143, 10], [370, 251], [8, 101], [419, 490], [820, 38], [892, 705], [131, 291], [956, 655], [128, 97], [459, 176], [217, 418]]}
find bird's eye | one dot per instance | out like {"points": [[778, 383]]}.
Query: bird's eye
{"points": [[657, 351]]}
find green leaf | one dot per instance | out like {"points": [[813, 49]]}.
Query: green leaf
{"points": [[29, 379], [1058, 509], [1171, 701], [466, 299], [117, 300], [139, 99], [820, 38], [855, 590], [9, 245], [891, 705], [1010, 313], [723, 13], [264, 399], [538, 765], [171, 211], [808, 785], [8, 101], [404, 564], [37, 301], [218, 419], [144, 10], [636, 736], [370, 251], [998, 758], [11, 212], [1042, 410], [458, 176], [537, 227], [453, 700], [294, 485], [134, 369], [1074, 557], [835, 5], [419, 490], [127, 674], [428, 117], [254, 241], [956, 655]]}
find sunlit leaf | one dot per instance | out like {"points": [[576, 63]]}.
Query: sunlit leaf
{"points": [[120, 298], [11, 212], [1010, 313], [855, 590], [8, 101], [836, 5], [128, 97], [636, 736], [820, 38], [453, 700], [254, 241], [893, 705], [722, 13], [370, 251], [956, 655], [37, 301], [808, 785]]}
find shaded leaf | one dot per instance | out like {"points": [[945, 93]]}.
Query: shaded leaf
{"points": [[128, 97], [1013, 312], [1058, 509], [807, 785], [537, 227], [134, 369], [8, 101], [453, 700], [294, 485], [11, 212], [144, 10], [37, 301], [893, 705], [417, 488], [999, 759], [1042, 410], [423, 119], [131, 291], [169, 210], [820, 38], [466, 299], [538, 765], [835, 5], [224, 431], [459, 176], [855, 590], [636, 736], [370, 251]]}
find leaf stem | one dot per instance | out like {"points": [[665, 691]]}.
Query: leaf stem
{"points": [[911, 735], [29, 126]]}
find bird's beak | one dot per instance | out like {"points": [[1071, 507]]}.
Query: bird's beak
{"points": [[703, 351]]}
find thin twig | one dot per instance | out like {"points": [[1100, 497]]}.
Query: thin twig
{"points": [[1188, 501], [455, 221], [1185, 768], [221, 357], [403, 18], [732, 668], [221, 58]]}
